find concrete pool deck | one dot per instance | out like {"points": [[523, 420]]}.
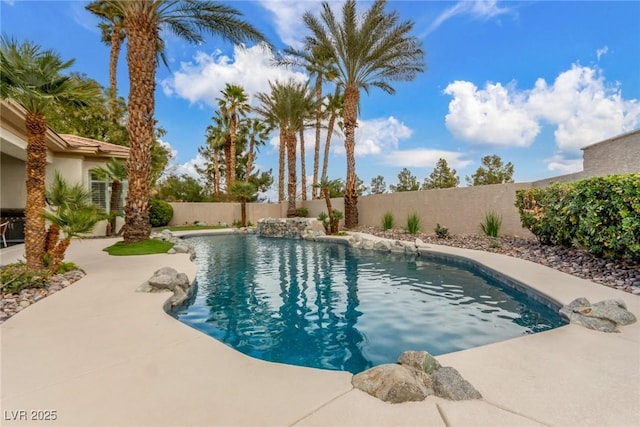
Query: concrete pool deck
{"points": [[100, 354]]}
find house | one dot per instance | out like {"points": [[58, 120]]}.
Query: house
{"points": [[72, 156], [617, 155]]}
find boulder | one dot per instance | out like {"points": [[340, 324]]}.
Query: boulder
{"points": [[420, 360], [382, 245], [392, 383], [604, 316], [168, 279], [449, 384]]}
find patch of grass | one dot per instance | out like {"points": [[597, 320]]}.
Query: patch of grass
{"points": [[192, 227], [145, 247]]}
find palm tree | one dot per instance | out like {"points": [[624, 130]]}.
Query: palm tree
{"points": [[335, 105], [113, 35], [370, 51], [319, 64], [218, 135], [258, 132], [32, 78], [273, 109], [143, 20], [234, 103], [243, 191], [288, 105], [114, 172], [72, 213]]}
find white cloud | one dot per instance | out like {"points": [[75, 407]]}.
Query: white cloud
{"points": [[425, 158], [376, 136], [495, 115], [479, 9], [558, 163], [288, 17], [204, 78], [602, 51], [583, 108], [580, 104]]}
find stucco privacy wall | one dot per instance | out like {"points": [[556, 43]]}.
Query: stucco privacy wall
{"points": [[460, 209], [223, 213]]}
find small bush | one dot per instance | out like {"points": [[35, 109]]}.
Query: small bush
{"points": [[387, 221], [16, 277], [413, 223], [302, 212], [491, 225], [160, 213], [441, 231]]}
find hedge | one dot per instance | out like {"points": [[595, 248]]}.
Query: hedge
{"points": [[600, 214]]}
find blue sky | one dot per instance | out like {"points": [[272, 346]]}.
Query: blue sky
{"points": [[531, 81]]}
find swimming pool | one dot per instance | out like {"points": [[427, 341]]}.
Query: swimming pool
{"points": [[330, 306]]}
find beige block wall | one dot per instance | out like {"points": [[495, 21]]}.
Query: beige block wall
{"points": [[223, 213], [618, 156], [459, 209]]}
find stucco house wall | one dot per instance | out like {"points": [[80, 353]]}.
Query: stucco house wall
{"points": [[71, 156]]}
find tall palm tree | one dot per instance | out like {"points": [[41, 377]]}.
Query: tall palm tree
{"points": [[113, 35], [335, 105], [258, 132], [273, 109], [233, 103], [114, 172], [371, 50], [319, 64], [143, 20], [32, 77], [288, 105], [218, 135]]}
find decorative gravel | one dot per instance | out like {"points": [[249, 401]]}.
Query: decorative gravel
{"points": [[622, 274]]}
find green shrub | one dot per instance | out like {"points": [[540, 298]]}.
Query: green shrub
{"points": [[302, 212], [491, 225], [16, 277], [441, 231], [413, 223], [160, 213], [387, 221], [600, 214]]}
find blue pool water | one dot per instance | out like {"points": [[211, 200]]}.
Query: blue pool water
{"points": [[334, 307]]}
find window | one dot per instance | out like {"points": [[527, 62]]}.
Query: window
{"points": [[101, 193], [99, 190]]}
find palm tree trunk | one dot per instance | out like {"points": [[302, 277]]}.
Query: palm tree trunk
{"points": [[113, 67], [351, 97], [283, 149], [291, 162], [243, 212], [57, 255], [216, 174], [315, 193], [142, 34], [303, 166], [116, 190], [227, 156], [252, 144], [231, 164], [36, 165], [327, 145]]}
